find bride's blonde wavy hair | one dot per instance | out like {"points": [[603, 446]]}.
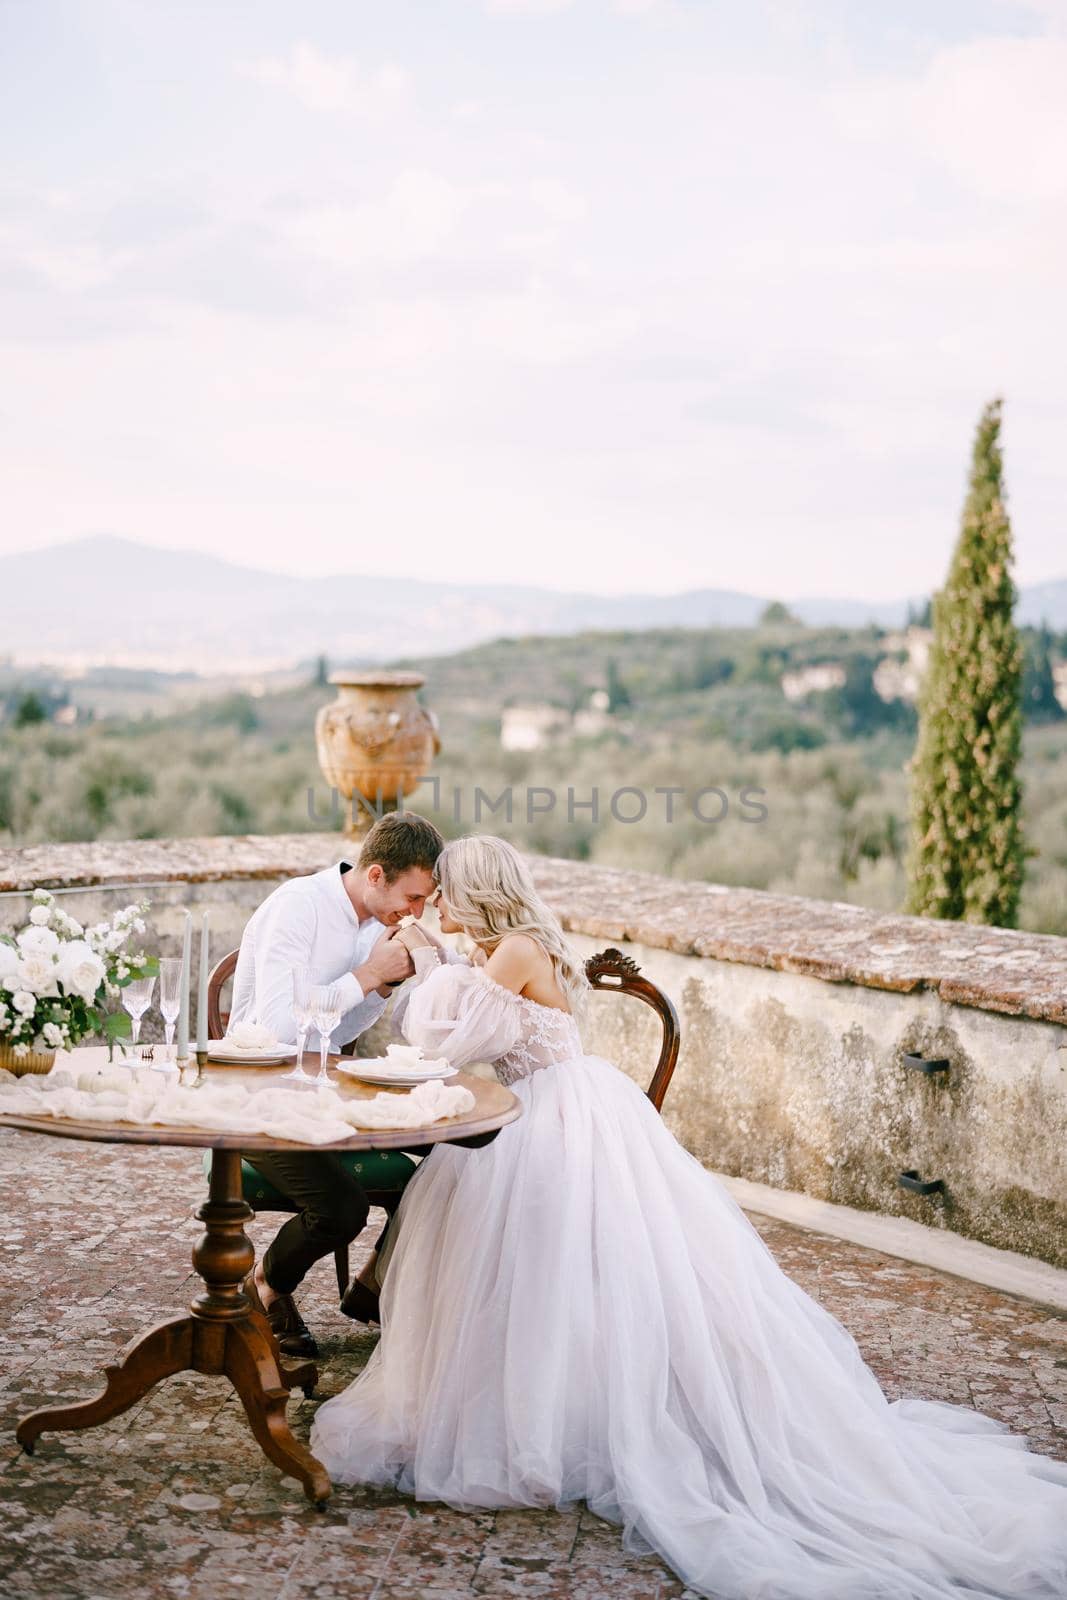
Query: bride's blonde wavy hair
{"points": [[490, 892]]}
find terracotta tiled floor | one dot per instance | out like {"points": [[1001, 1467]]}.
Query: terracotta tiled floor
{"points": [[175, 1499]]}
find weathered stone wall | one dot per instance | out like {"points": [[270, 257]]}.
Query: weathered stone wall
{"points": [[795, 1016], [801, 1084]]}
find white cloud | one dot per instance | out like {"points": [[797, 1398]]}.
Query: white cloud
{"points": [[425, 215], [546, 8], [419, 215], [1052, 12], [333, 83], [532, 8], [744, 313], [993, 111], [558, 201]]}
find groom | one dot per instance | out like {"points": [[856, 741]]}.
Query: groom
{"points": [[341, 925]]}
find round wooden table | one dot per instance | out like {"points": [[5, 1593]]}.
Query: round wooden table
{"points": [[222, 1333]]}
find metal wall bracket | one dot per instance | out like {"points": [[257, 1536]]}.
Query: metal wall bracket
{"points": [[921, 1064], [910, 1180]]}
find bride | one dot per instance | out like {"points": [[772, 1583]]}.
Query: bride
{"points": [[579, 1311]]}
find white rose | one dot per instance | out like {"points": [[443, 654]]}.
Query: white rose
{"points": [[37, 972], [9, 961], [39, 916], [39, 939], [53, 1035], [24, 1002], [81, 971]]}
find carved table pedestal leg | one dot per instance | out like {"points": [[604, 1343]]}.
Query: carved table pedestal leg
{"points": [[220, 1334]]}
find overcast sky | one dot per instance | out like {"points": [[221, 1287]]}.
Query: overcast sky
{"points": [[608, 294]]}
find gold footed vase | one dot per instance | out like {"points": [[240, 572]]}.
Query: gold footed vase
{"points": [[36, 1061]]}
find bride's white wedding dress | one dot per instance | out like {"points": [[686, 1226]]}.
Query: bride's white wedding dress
{"points": [[579, 1311]]}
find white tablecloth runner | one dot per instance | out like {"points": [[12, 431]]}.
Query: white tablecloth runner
{"points": [[287, 1111]]}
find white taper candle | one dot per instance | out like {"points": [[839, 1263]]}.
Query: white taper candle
{"points": [[201, 994], [183, 1003]]}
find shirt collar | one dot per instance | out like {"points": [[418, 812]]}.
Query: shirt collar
{"points": [[335, 883]]}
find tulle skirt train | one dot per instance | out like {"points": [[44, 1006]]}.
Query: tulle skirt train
{"points": [[579, 1311]]}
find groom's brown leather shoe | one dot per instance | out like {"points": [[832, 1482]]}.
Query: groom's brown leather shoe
{"points": [[291, 1333], [360, 1303]]}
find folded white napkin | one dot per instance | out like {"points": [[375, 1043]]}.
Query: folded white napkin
{"points": [[319, 1116], [427, 1102], [251, 1036], [409, 1058]]}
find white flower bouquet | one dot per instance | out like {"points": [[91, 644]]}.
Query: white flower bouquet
{"points": [[56, 979]]}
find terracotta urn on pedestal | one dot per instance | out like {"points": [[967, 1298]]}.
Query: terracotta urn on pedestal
{"points": [[375, 740]]}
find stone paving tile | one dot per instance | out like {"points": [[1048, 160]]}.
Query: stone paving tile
{"points": [[173, 1500]]}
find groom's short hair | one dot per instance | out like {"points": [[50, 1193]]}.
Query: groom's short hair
{"points": [[400, 841]]}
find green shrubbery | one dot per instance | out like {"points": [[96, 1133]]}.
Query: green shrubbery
{"points": [[692, 709]]}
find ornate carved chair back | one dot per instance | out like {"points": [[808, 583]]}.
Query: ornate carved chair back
{"points": [[221, 973], [610, 969]]}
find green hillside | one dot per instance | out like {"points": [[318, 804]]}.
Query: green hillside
{"points": [[687, 710]]}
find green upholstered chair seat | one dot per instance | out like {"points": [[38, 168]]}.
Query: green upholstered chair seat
{"points": [[379, 1171]]}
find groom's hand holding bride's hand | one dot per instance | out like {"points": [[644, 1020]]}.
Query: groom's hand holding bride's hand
{"points": [[415, 938], [388, 964]]}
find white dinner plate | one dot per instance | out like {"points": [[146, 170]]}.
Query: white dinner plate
{"points": [[370, 1072], [218, 1050]]}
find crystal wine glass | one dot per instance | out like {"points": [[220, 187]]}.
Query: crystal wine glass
{"points": [[327, 1008], [136, 999], [305, 1021], [170, 985]]}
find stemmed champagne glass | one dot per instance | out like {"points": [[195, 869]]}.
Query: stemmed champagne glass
{"points": [[170, 984], [327, 1008], [304, 1018], [136, 999]]}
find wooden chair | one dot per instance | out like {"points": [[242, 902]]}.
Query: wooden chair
{"points": [[610, 969], [384, 1173], [221, 973]]}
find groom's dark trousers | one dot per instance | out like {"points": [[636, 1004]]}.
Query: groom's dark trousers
{"points": [[333, 1210]]}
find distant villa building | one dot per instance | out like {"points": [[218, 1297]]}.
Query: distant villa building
{"points": [[815, 679], [896, 679], [1059, 678], [531, 727]]}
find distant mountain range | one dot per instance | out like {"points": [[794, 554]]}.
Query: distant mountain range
{"points": [[108, 601]]}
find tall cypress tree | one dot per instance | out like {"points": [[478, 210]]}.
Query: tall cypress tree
{"points": [[967, 850]]}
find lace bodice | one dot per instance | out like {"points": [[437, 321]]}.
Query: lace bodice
{"points": [[548, 1035], [463, 1014]]}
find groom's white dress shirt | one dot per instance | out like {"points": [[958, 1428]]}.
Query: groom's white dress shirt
{"points": [[307, 922]]}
